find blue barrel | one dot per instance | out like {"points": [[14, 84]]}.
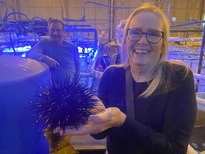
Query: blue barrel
{"points": [[19, 78]]}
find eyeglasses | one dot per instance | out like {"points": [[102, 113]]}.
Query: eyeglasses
{"points": [[153, 36]]}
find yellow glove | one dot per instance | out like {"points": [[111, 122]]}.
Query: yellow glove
{"points": [[59, 144]]}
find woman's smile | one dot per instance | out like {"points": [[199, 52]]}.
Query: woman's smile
{"points": [[141, 51]]}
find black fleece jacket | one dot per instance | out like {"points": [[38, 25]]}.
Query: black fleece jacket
{"points": [[162, 123]]}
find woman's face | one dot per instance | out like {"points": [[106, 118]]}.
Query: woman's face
{"points": [[142, 51]]}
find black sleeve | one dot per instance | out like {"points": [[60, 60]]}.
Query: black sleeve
{"points": [[179, 119], [110, 91]]}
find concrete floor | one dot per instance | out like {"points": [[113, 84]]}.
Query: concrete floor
{"points": [[85, 144], [198, 139]]}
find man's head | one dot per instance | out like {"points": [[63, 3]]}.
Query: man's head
{"points": [[56, 30]]}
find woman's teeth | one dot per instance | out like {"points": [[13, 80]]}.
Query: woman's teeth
{"points": [[141, 51]]}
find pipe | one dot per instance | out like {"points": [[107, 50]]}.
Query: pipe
{"points": [[201, 52]]}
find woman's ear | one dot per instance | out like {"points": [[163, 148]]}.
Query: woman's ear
{"points": [[160, 55], [162, 49]]}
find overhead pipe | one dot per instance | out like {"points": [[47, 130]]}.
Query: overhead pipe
{"points": [[201, 52]]}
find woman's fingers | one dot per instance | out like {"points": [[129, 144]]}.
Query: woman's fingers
{"points": [[99, 106], [110, 117], [85, 129]]}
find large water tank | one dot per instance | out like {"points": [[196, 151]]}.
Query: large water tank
{"points": [[19, 78]]}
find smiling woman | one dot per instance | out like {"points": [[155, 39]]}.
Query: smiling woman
{"points": [[150, 102], [144, 48]]}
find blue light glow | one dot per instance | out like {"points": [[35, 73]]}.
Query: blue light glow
{"points": [[17, 49], [87, 52]]}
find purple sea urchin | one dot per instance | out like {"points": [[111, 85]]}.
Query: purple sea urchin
{"points": [[65, 103]]}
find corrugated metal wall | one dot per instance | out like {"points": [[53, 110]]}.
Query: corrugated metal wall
{"points": [[99, 14]]}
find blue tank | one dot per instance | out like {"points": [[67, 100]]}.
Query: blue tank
{"points": [[19, 77]]}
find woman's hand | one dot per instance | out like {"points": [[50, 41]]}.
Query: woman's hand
{"points": [[110, 117], [99, 106]]}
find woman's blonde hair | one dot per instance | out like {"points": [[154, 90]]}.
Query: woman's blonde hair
{"points": [[161, 68]]}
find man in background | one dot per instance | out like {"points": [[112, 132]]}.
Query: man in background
{"points": [[61, 56]]}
